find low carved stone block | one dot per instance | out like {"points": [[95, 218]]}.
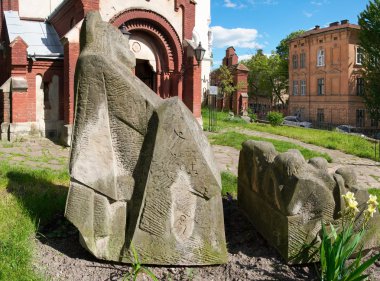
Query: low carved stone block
{"points": [[286, 198]]}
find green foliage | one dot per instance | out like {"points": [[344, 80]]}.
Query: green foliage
{"points": [[275, 118], [252, 115], [137, 268], [229, 184], [267, 76], [374, 191], [235, 140], [369, 36], [338, 246], [226, 80], [283, 47], [28, 198]]}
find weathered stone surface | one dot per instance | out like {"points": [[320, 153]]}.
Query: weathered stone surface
{"points": [[286, 197], [142, 171]]}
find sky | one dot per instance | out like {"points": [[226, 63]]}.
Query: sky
{"points": [[248, 25]]}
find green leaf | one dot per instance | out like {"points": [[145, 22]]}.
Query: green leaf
{"points": [[356, 273]]}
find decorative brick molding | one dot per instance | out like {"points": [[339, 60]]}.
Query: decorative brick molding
{"points": [[157, 26]]}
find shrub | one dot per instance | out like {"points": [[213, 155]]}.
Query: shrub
{"points": [[252, 115], [275, 118]]}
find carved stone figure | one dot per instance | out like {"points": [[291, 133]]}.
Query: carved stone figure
{"points": [[142, 171], [286, 198]]}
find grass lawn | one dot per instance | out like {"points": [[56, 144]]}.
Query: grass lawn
{"points": [[28, 199], [350, 144], [235, 140]]}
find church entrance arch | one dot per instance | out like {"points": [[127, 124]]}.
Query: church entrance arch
{"points": [[157, 48], [144, 71]]}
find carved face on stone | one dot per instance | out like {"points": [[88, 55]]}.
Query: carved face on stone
{"points": [[99, 37]]}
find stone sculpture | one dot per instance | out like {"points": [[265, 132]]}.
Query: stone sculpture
{"points": [[286, 198], [142, 171]]}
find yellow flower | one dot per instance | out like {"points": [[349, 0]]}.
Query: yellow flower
{"points": [[371, 210], [349, 196], [373, 200], [353, 205]]}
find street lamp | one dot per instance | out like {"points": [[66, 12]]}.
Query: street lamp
{"points": [[123, 29], [199, 53]]}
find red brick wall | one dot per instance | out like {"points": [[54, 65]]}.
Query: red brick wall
{"points": [[72, 12], [24, 103], [71, 51]]}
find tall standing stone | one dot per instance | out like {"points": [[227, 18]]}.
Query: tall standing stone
{"points": [[142, 171]]}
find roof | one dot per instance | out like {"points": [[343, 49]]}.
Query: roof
{"points": [[318, 30], [239, 66], [41, 37]]}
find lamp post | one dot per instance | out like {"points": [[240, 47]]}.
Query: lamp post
{"points": [[199, 53], [123, 29]]}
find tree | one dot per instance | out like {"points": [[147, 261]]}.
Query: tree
{"points": [[266, 76], [225, 81], [269, 75], [283, 50], [283, 47], [369, 38]]}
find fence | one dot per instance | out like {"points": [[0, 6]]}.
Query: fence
{"points": [[212, 119]]}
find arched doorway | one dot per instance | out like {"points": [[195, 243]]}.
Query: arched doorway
{"points": [[157, 48], [144, 71]]}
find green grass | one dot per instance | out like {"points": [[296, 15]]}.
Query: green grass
{"points": [[347, 143], [235, 140], [374, 191], [229, 184], [28, 199]]}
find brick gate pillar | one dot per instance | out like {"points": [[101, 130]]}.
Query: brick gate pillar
{"points": [[71, 54]]}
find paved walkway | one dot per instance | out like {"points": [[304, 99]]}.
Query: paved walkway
{"points": [[42, 153], [367, 171]]}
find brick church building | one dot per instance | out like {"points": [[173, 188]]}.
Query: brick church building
{"points": [[39, 47], [236, 102]]}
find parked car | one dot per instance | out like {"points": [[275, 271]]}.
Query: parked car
{"points": [[346, 128], [377, 136], [295, 121]]}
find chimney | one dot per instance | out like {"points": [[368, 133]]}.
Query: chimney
{"points": [[344, 21], [335, 23], [316, 27]]}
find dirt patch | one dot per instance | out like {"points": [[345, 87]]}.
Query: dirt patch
{"points": [[250, 257]]}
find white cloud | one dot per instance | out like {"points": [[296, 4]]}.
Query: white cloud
{"points": [[229, 4], [270, 2], [307, 14], [316, 3], [234, 5], [237, 37], [245, 57]]}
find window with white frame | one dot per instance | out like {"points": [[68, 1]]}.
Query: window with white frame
{"points": [[295, 88], [303, 87], [359, 55], [321, 57]]}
